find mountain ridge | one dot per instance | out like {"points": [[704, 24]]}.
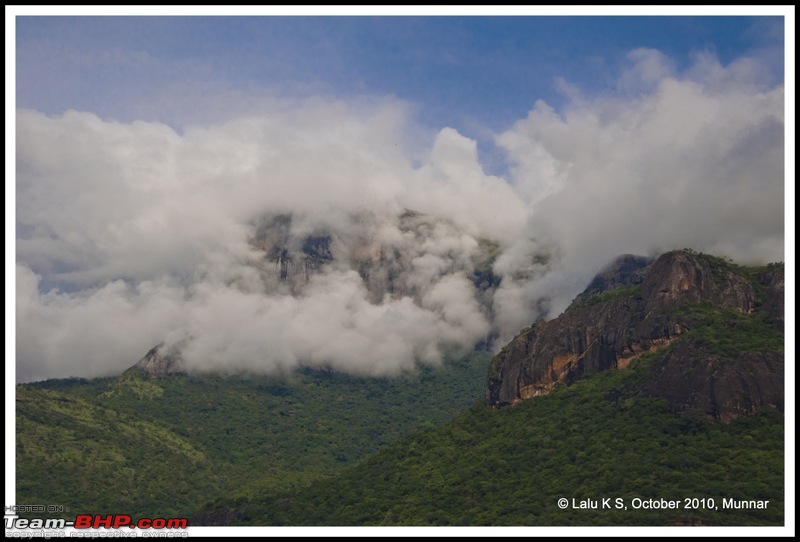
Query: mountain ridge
{"points": [[701, 342], [639, 307]]}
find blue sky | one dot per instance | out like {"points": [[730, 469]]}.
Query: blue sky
{"points": [[465, 72]]}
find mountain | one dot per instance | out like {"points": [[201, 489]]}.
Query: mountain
{"points": [[368, 293], [159, 361], [662, 380], [387, 252], [661, 383], [510, 466], [639, 307], [158, 442]]}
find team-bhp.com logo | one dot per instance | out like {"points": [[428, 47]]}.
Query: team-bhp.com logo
{"points": [[98, 521]]}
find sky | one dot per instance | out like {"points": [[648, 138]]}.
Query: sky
{"points": [[475, 74], [148, 148]]}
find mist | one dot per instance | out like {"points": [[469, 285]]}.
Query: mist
{"points": [[347, 234]]}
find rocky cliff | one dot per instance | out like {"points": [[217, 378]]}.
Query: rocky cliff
{"points": [[159, 361], [398, 256], [718, 326]]}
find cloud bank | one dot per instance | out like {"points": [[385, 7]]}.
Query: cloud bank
{"points": [[131, 234]]}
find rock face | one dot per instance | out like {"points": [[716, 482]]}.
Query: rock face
{"points": [[772, 279], [626, 270], [159, 363], [636, 307], [393, 255], [724, 388]]}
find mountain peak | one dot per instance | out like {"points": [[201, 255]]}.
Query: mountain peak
{"points": [[160, 361], [636, 308]]}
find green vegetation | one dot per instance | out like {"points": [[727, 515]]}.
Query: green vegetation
{"points": [[634, 290], [509, 466], [78, 454], [719, 265], [162, 447], [729, 333], [587, 299]]}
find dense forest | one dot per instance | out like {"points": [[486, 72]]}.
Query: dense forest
{"points": [[163, 446], [596, 439]]}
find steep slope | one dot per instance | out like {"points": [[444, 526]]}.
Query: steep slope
{"points": [[388, 264], [82, 454], [704, 300], [146, 444], [599, 438], [159, 361]]}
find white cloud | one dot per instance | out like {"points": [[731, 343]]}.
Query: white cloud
{"points": [[695, 163], [89, 333], [647, 68], [130, 234]]}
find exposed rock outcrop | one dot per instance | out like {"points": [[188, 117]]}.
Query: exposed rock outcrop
{"points": [[159, 361], [633, 308], [772, 280], [398, 263], [688, 375], [627, 270]]}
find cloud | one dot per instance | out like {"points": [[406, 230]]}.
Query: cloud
{"points": [[696, 161], [90, 332], [283, 237], [647, 68]]}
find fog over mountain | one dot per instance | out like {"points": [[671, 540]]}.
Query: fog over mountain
{"points": [[348, 234]]}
